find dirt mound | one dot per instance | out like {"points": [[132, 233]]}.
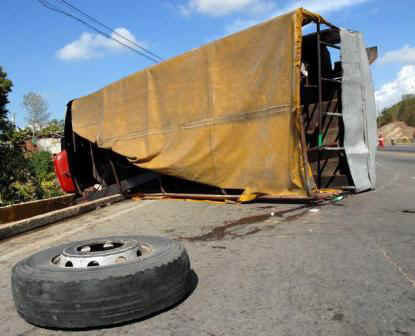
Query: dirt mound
{"points": [[398, 131]]}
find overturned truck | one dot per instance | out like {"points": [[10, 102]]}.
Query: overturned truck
{"points": [[282, 110]]}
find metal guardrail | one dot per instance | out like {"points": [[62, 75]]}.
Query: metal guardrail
{"points": [[15, 212]]}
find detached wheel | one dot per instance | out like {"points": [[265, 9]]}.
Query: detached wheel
{"points": [[100, 282]]}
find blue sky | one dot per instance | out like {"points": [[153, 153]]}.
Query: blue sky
{"points": [[61, 59]]}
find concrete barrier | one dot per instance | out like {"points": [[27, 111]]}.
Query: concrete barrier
{"points": [[11, 229]]}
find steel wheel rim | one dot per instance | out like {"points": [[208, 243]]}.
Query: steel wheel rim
{"points": [[101, 253]]}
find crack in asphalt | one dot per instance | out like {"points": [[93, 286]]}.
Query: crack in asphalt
{"points": [[389, 259]]}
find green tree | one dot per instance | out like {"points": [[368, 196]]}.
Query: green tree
{"points": [[22, 178], [53, 128], [43, 175], [37, 110], [5, 125], [12, 162], [385, 117]]}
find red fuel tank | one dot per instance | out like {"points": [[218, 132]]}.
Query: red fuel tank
{"points": [[60, 161]]}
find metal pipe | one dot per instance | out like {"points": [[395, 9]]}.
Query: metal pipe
{"points": [[320, 96], [114, 172]]}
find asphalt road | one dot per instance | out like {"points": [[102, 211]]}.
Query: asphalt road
{"points": [[348, 269], [399, 148]]}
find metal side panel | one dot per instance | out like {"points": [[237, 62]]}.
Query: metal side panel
{"points": [[359, 111]]}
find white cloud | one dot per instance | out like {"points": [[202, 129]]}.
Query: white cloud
{"points": [[405, 55], [223, 7], [95, 45], [318, 6], [391, 92]]}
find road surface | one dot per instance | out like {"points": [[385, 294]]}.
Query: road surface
{"points": [[399, 148], [347, 269]]}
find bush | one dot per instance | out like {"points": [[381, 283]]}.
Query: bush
{"points": [[43, 175], [35, 179], [13, 172], [41, 165]]}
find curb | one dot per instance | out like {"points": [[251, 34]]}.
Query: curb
{"points": [[11, 229]]}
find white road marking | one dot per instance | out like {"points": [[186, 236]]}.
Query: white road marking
{"points": [[28, 248]]}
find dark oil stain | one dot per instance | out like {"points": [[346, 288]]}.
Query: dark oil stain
{"points": [[220, 232], [296, 216], [402, 332], [338, 317], [248, 220], [410, 211], [256, 230], [237, 235], [268, 227], [219, 247]]}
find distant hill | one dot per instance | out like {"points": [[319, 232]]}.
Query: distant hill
{"points": [[402, 111], [398, 131]]}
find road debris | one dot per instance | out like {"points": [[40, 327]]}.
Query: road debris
{"points": [[314, 210]]}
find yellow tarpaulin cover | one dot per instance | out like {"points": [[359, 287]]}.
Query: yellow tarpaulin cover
{"points": [[226, 114]]}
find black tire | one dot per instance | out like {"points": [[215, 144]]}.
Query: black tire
{"points": [[64, 298]]}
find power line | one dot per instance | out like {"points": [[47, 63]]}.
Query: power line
{"points": [[48, 5], [67, 3]]}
